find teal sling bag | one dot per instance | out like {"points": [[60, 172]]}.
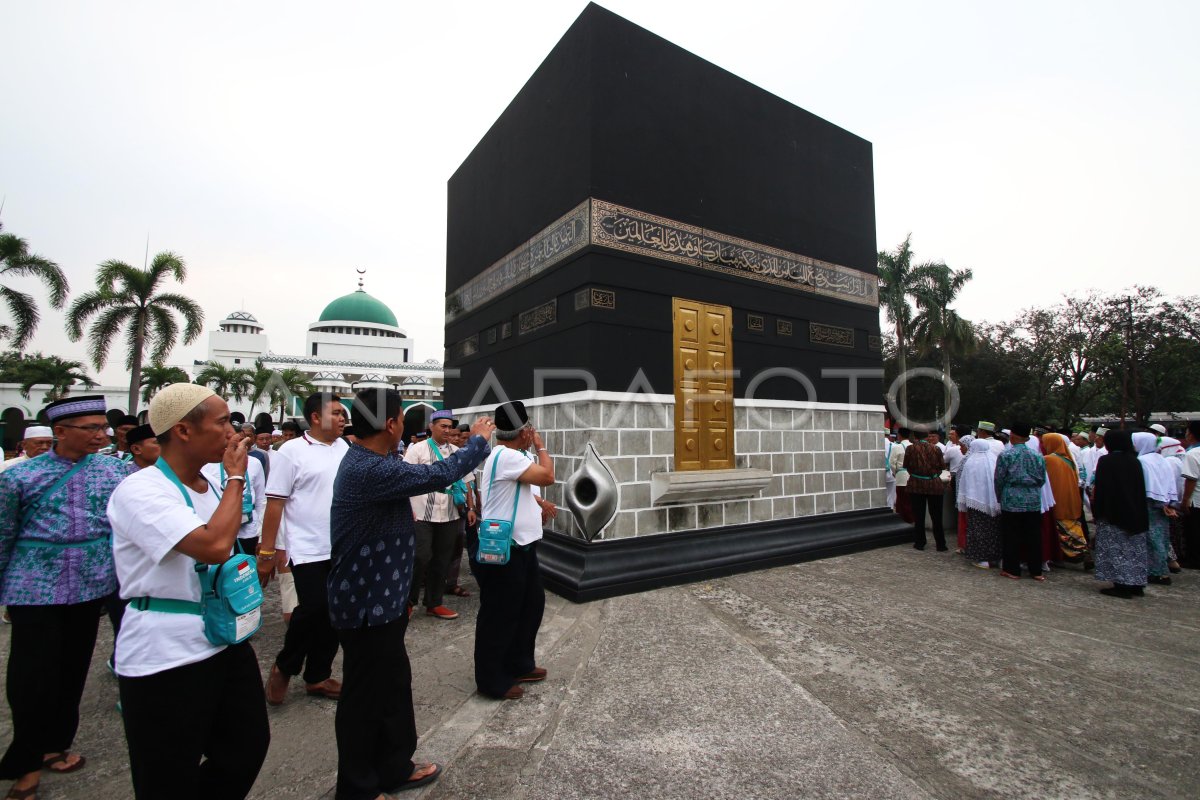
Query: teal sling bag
{"points": [[456, 490], [230, 596], [495, 535]]}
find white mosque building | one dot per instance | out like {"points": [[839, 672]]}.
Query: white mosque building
{"points": [[356, 343]]}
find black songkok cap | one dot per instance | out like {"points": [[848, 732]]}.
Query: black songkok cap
{"points": [[511, 416], [126, 420], [264, 428], [1020, 429], [237, 418], [139, 434]]}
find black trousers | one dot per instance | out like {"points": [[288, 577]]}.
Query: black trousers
{"points": [[455, 566], [115, 607], [1190, 557], [435, 544], [1022, 533], [375, 727], [197, 731], [310, 642], [511, 603], [49, 655], [934, 503]]}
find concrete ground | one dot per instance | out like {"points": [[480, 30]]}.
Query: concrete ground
{"points": [[886, 674]]}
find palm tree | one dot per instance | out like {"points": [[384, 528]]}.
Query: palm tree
{"points": [[54, 372], [17, 261], [261, 386], [937, 325], [290, 383], [225, 381], [157, 376], [127, 301], [899, 280]]}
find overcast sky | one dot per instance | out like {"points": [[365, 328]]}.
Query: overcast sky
{"points": [[276, 147]]}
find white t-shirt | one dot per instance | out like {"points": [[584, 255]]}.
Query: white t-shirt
{"points": [[258, 489], [302, 473], [498, 499], [953, 455], [149, 517], [1191, 470]]}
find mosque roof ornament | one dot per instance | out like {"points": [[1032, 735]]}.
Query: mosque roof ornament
{"points": [[358, 306]]}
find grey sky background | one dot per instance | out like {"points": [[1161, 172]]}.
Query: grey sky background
{"points": [[1049, 146]]}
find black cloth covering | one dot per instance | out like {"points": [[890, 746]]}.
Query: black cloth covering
{"points": [[1120, 486]]}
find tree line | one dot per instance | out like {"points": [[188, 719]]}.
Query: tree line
{"points": [[133, 308], [1091, 354]]}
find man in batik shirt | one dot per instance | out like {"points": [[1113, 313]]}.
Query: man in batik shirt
{"points": [[1020, 473], [56, 568]]}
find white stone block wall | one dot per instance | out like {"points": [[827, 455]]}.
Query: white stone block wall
{"points": [[824, 459]]}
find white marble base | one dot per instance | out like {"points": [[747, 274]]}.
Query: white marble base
{"points": [[819, 458]]}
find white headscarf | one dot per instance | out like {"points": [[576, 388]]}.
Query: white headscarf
{"points": [[1167, 447], [976, 481], [1160, 479]]}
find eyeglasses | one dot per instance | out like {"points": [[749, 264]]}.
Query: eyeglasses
{"points": [[92, 429]]}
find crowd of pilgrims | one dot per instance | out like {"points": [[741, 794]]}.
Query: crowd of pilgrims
{"points": [[1025, 499], [356, 524]]}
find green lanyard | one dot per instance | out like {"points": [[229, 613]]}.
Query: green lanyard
{"points": [[173, 478]]}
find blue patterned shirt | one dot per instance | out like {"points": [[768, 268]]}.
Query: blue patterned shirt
{"points": [[64, 554], [1020, 473], [371, 529]]}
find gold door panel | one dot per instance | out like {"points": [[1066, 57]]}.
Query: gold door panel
{"points": [[703, 385]]}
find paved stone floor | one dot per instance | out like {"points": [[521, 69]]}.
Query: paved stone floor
{"points": [[884, 674]]}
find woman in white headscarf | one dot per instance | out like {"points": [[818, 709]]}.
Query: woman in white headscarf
{"points": [[977, 498], [1161, 493]]}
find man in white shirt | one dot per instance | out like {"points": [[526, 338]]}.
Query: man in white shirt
{"points": [[902, 506], [300, 492], [1189, 504], [254, 500], [193, 711], [438, 519], [511, 598]]}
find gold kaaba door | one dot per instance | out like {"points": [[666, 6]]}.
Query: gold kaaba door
{"points": [[703, 385]]}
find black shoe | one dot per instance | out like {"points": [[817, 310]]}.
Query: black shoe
{"points": [[1118, 591], [1161, 580], [942, 548], [1137, 591], [918, 547]]}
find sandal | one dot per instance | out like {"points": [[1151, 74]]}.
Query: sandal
{"points": [[459, 591], [49, 764], [22, 794], [435, 772]]}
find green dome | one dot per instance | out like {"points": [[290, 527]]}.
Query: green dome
{"points": [[359, 307]]}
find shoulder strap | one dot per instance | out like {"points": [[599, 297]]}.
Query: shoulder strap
{"points": [[173, 478], [516, 492], [33, 507]]}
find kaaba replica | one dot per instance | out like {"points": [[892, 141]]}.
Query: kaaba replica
{"points": [[675, 270]]}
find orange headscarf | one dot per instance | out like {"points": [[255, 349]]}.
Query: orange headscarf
{"points": [[1064, 477]]}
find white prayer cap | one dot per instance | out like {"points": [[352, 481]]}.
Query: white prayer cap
{"points": [[174, 403], [1160, 429], [1101, 430], [38, 432]]}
